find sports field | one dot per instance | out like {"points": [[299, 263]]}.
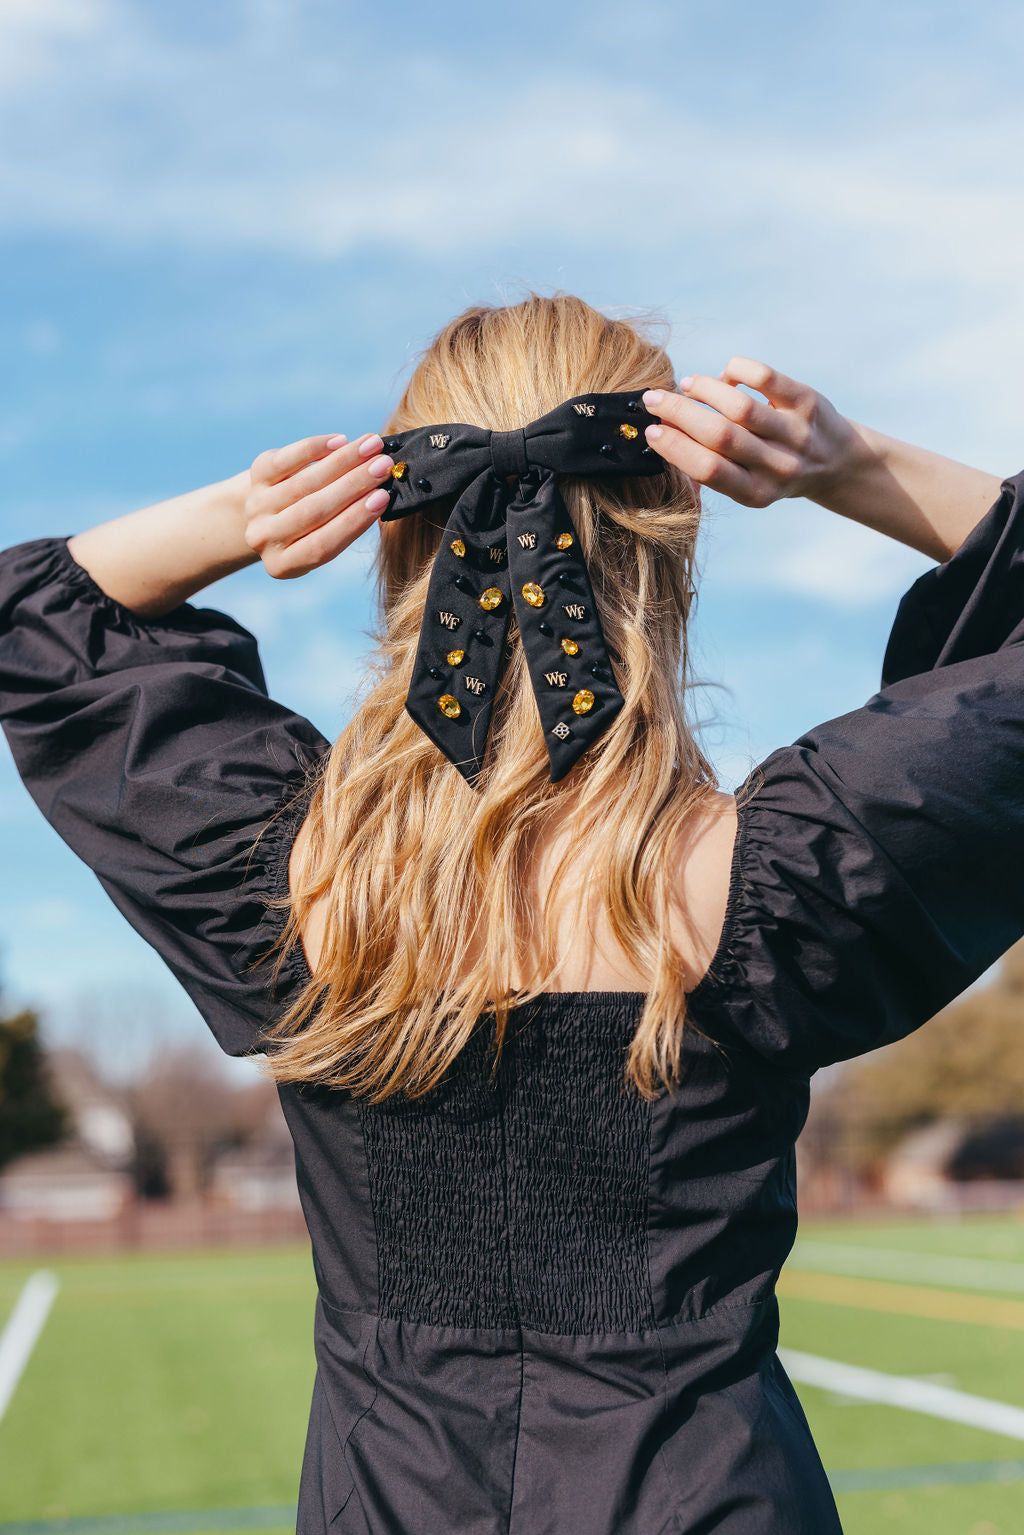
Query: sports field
{"points": [[170, 1393]]}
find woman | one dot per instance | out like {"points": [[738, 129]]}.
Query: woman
{"points": [[543, 1038]]}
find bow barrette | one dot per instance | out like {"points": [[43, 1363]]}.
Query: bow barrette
{"points": [[513, 547]]}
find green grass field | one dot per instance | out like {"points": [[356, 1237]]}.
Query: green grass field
{"points": [[170, 1393]]}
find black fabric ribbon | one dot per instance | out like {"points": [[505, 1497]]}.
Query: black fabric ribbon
{"points": [[513, 547]]}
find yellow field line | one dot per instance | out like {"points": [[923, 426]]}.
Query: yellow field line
{"points": [[902, 1299]]}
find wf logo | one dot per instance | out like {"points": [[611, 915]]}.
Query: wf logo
{"points": [[475, 685], [440, 439], [496, 553], [450, 620], [555, 679], [527, 540], [574, 609], [584, 410]]}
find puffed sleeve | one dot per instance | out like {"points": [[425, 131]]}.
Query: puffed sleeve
{"points": [[879, 865], [152, 748]]}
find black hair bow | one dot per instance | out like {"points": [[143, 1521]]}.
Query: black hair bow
{"points": [[513, 546]]}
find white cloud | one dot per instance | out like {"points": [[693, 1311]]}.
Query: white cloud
{"points": [[318, 675], [265, 140], [796, 547], [286, 612], [42, 338], [34, 32], [50, 914], [246, 144]]}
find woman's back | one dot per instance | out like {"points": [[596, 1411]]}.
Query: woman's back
{"points": [[592, 960]]}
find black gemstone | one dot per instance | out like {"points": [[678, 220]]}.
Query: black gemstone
{"points": [[391, 444], [647, 453], [437, 673], [422, 484], [633, 405], [481, 634], [545, 628], [608, 449], [597, 670], [565, 577], [464, 583]]}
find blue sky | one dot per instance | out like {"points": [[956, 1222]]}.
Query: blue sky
{"points": [[224, 227]]}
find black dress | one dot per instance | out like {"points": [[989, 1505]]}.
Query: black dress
{"points": [[546, 1307]]}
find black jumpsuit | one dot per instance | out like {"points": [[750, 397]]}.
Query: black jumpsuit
{"points": [[547, 1307]]}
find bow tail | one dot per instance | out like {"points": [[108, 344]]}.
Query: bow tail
{"points": [[566, 653], [461, 649]]}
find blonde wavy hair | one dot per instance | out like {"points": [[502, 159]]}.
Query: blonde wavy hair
{"points": [[424, 880]]}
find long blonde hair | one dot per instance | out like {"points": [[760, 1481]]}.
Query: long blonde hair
{"points": [[424, 879]]}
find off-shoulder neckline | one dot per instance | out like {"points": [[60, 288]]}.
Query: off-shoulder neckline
{"points": [[297, 965]]}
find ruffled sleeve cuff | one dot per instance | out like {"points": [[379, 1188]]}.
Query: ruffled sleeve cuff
{"points": [[61, 627]]}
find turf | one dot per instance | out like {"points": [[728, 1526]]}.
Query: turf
{"points": [[162, 1383], [176, 1388]]}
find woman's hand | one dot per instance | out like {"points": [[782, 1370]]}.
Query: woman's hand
{"points": [[309, 501], [796, 444]]}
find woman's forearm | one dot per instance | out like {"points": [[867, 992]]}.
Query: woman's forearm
{"points": [[918, 497], [153, 559]]}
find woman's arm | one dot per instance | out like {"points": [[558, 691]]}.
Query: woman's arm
{"points": [[153, 559], [296, 508], [797, 444]]}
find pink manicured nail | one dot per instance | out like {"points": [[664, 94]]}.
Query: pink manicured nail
{"points": [[653, 432], [336, 442], [377, 500], [371, 445], [381, 466], [687, 382], [652, 397]]}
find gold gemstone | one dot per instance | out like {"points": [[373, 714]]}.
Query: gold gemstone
{"points": [[533, 594], [398, 470], [583, 702], [570, 647], [455, 657], [564, 541], [491, 598], [628, 430], [457, 547], [451, 706]]}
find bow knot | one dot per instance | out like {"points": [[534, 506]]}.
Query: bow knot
{"points": [[508, 454], [506, 552]]}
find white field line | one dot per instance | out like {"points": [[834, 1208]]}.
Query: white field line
{"points": [[903, 1391], [893, 1263], [24, 1325]]}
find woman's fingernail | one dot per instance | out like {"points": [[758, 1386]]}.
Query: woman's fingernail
{"points": [[371, 445], [653, 432], [377, 500], [652, 397], [687, 382], [381, 466], [337, 442]]}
